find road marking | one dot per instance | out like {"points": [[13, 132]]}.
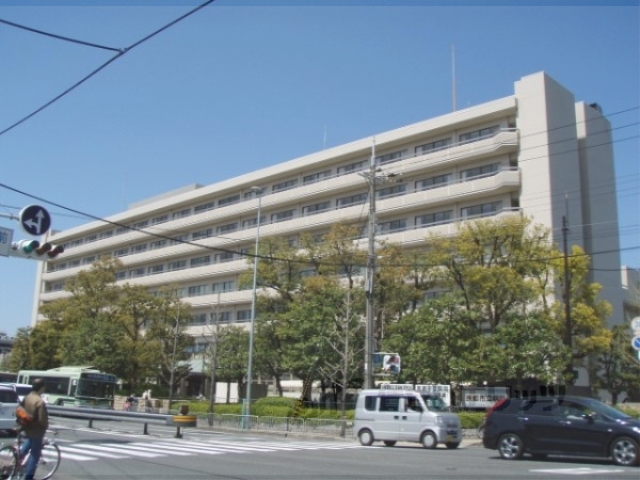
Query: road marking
{"points": [[65, 449], [577, 471], [122, 450]]}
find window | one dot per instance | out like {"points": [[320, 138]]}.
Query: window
{"points": [[136, 272], [278, 187], [224, 257], [389, 404], [200, 261], [139, 248], [197, 290], [370, 403], [223, 317], [352, 167], [76, 243], [182, 213], [317, 208], [393, 226], [540, 407], [198, 319], [392, 191], [481, 210], [230, 227], [200, 234], [57, 286], [177, 265], [121, 252], [228, 286], [157, 244], [478, 134], [252, 222], [251, 194], [390, 157], [352, 200], [229, 200], [316, 177], [434, 218], [89, 260], [204, 207], [121, 275], [121, 230], [433, 146], [141, 224], [433, 182], [243, 315], [72, 264], [483, 171], [91, 239], [160, 219], [282, 216], [107, 234], [155, 269], [180, 239]]}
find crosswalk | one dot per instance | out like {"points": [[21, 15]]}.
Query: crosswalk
{"points": [[83, 452]]}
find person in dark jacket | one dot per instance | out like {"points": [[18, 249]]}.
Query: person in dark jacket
{"points": [[36, 430]]}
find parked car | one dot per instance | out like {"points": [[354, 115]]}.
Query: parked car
{"points": [[22, 389], [8, 404], [566, 426]]}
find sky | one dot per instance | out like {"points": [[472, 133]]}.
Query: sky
{"points": [[242, 85]]}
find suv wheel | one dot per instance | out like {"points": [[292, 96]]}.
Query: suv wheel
{"points": [[624, 451], [366, 437], [510, 446]]}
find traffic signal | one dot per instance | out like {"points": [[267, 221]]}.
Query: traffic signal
{"points": [[33, 249]]}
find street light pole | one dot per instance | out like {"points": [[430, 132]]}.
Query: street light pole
{"points": [[173, 362], [257, 191]]}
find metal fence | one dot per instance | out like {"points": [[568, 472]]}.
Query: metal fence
{"points": [[301, 426]]}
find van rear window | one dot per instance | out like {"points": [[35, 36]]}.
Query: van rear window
{"points": [[370, 403]]}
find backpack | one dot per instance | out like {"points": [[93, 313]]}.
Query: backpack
{"points": [[23, 417]]}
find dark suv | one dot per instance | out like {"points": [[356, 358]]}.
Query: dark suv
{"points": [[568, 426]]}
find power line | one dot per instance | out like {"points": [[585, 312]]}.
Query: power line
{"points": [[120, 53]]}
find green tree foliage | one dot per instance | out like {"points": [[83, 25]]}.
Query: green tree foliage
{"points": [[618, 365], [118, 329]]}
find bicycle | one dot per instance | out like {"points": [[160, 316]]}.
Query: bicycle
{"points": [[12, 467]]}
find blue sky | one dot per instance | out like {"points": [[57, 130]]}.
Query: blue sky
{"points": [[233, 88]]}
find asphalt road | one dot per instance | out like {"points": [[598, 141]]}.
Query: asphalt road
{"points": [[120, 451]]}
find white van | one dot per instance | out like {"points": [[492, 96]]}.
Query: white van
{"points": [[404, 415]]}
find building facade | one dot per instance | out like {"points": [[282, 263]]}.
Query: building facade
{"points": [[537, 152]]}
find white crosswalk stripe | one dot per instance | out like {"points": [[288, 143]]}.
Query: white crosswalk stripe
{"points": [[165, 448]]}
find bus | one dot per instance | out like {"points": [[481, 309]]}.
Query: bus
{"points": [[8, 377], [75, 386]]}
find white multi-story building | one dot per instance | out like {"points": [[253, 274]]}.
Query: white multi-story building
{"points": [[537, 152]]}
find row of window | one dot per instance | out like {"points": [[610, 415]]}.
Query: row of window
{"points": [[396, 156]]}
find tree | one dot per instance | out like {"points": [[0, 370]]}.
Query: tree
{"points": [[618, 365], [232, 362]]}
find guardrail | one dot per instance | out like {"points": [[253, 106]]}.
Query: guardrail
{"points": [[103, 415]]}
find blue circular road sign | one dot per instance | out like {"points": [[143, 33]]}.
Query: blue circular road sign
{"points": [[35, 220], [635, 342]]}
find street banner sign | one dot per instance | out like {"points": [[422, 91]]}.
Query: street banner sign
{"points": [[35, 220], [6, 237]]}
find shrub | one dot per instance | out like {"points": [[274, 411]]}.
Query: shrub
{"points": [[275, 402]]}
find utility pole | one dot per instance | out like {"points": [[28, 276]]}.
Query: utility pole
{"points": [[371, 272], [568, 340]]}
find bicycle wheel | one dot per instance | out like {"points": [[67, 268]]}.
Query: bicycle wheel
{"points": [[8, 463], [49, 462]]}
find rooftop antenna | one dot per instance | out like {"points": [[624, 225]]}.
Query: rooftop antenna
{"points": [[453, 77]]}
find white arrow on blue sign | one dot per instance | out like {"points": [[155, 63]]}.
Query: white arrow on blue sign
{"points": [[35, 220], [635, 342]]}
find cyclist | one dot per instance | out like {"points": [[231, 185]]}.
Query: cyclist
{"points": [[35, 430]]}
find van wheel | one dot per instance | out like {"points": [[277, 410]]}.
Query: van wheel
{"points": [[510, 446], [366, 437], [389, 443], [452, 445], [429, 440], [624, 452]]}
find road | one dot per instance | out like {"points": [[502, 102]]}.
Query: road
{"points": [[120, 451]]}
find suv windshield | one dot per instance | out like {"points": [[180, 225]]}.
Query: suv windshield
{"points": [[435, 404]]}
